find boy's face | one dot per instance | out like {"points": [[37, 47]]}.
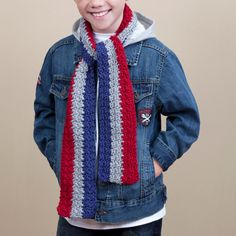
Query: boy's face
{"points": [[104, 16]]}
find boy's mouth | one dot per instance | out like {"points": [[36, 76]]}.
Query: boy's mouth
{"points": [[100, 14]]}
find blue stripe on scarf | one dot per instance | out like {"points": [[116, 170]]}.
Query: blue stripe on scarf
{"points": [[89, 201], [104, 112]]}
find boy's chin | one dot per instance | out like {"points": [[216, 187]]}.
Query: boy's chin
{"points": [[102, 29]]}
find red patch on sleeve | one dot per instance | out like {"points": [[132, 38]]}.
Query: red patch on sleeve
{"points": [[39, 80]]}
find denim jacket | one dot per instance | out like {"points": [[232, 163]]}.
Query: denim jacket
{"points": [[159, 86]]}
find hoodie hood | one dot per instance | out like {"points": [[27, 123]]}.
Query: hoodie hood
{"points": [[144, 30]]}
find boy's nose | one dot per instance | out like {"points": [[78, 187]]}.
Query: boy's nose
{"points": [[96, 3]]}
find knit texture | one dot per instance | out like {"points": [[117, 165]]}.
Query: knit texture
{"points": [[117, 155]]}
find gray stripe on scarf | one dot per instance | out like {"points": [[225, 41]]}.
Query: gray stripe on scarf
{"points": [[85, 40], [115, 105], [128, 30], [77, 122]]}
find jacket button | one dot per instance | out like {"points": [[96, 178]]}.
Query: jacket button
{"points": [[135, 96], [102, 212], [64, 91]]}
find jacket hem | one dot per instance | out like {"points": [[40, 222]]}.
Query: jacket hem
{"points": [[129, 212]]}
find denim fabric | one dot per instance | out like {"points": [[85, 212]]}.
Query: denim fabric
{"points": [[159, 87], [151, 229]]}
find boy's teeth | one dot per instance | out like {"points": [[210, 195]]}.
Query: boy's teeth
{"points": [[100, 13]]}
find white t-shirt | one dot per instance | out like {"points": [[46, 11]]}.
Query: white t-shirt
{"points": [[93, 224]]}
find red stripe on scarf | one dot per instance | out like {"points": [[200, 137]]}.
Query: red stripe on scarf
{"points": [[67, 160], [90, 34], [129, 122], [130, 164], [126, 20]]}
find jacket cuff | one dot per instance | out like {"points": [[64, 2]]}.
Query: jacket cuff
{"points": [[162, 153]]}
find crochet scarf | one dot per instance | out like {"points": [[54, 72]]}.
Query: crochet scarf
{"points": [[117, 157]]}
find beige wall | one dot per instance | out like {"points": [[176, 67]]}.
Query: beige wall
{"points": [[201, 186]]}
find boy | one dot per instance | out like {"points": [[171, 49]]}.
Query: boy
{"points": [[99, 98]]}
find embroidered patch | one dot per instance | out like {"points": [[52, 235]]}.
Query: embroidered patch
{"points": [[144, 116]]}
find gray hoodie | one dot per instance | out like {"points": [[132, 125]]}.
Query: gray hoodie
{"points": [[144, 30]]}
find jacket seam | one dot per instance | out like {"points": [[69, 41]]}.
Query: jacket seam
{"points": [[162, 51], [163, 62], [61, 43], [167, 148]]}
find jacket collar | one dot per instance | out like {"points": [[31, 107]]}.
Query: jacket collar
{"points": [[132, 52]]}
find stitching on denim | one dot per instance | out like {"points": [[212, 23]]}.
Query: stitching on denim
{"points": [[168, 149], [62, 42], [163, 51], [163, 61]]}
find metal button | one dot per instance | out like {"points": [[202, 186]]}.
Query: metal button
{"points": [[102, 212], [64, 91], [135, 96]]}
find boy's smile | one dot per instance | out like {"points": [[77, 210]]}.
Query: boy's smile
{"points": [[104, 16]]}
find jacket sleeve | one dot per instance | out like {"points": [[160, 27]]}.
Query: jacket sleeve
{"points": [[44, 119], [177, 102]]}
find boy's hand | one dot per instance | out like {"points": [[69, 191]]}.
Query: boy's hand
{"points": [[157, 167]]}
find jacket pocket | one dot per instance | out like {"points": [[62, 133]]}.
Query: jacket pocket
{"points": [[152, 165], [51, 155], [144, 99], [60, 88], [143, 90]]}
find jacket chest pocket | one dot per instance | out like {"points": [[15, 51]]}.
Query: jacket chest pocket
{"points": [[144, 99], [60, 88]]}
